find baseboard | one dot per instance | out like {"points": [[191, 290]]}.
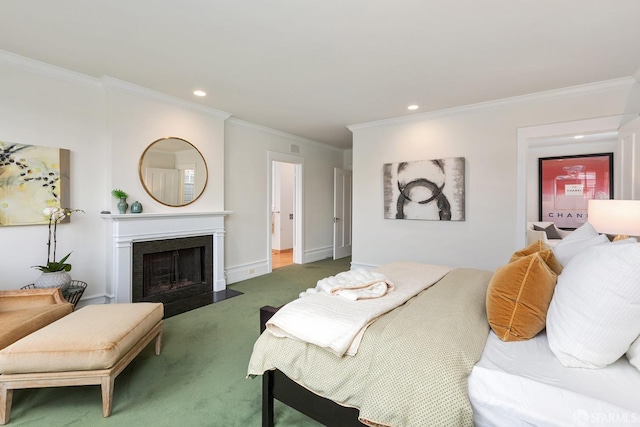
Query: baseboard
{"points": [[98, 299], [319, 254], [253, 269], [355, 265], [246, 271]]}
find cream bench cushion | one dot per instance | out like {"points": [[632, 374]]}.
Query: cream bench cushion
{"points": [[93, 337]]}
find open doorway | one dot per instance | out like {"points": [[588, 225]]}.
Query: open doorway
{"points": [[285, 215], [342, 203], [282, 214]]}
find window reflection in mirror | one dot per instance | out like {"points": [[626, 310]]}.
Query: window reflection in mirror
{"points": [[173, 171]]}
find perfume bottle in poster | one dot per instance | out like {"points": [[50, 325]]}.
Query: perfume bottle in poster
{"points": [[568, 183], [569, 189]]}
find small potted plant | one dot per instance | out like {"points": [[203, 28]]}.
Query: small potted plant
{"points": [[122, 197], [54, 273]]}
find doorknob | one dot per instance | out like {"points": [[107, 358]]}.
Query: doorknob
{"points": [[335, 219]]}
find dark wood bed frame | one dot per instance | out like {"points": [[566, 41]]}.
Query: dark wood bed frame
{"points": [[276, 385]]}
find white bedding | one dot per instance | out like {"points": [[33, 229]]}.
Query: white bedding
{"points": [[354, 285], [337, 323], [524, 384]]}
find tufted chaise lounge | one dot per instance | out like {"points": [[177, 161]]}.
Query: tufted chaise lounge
{"points": [[90, 346]]}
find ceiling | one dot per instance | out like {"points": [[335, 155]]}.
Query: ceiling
{"points": [[310, 68]]}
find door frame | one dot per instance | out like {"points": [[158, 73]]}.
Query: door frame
{"points": [[298, 211]]}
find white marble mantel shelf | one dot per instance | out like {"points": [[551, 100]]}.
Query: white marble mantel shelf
{"points": [[129, 228]]}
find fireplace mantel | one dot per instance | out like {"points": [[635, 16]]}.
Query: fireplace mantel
{"points": [[128, 228]]}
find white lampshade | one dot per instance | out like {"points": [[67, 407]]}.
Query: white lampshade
{"points": [[615, 216]]}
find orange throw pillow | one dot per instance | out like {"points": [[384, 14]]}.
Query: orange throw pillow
{"points": [[545, 252], [518, 298]]}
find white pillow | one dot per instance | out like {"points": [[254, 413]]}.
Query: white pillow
{"points": [[568, 248], [633, 354], [585, 231], [594, 314]]}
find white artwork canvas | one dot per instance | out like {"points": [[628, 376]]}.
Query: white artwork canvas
{"points": [[425, 190]]}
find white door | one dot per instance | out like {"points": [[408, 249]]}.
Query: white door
{"points": [[341, 213], [164, 185], [629, 139]]}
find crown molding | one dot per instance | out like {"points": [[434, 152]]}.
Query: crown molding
{"points": [[280, 133], [111, 84], [42, 68], [591, 88], [104, 83]]}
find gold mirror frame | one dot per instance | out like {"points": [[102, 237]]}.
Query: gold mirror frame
{"points": [[170, 159]]}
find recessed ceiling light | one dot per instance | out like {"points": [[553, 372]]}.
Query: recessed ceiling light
{"points": [[413, 107], [579, 136], [199, 93]]}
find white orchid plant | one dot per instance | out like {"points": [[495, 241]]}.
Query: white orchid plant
{"points": [[55, 215]]}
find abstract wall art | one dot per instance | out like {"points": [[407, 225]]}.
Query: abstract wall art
{"points": [[32, 178], [425, 190]]}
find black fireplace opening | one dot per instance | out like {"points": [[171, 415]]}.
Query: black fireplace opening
{"points": [[171, 270], [176, 272]]}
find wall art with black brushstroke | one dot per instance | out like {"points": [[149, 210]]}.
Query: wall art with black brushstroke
{"points": [[425, 189], [32, 178]]}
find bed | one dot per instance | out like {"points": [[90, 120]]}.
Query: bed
{"points": [[295, 372], [524, 384], [434, 360]]}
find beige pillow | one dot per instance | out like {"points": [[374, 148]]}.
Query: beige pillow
{"points": [[545, 252], [518, 298]]}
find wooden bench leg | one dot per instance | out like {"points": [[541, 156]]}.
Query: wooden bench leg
{"points": [[159, 343], [107, 394], [6, 397]]}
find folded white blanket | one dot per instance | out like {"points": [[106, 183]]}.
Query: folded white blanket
{"points": [[354, 284], [338, 324]]}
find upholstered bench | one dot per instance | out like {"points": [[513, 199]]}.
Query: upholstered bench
{"points": [[90, 346]]}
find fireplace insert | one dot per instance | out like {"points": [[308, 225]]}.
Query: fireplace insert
{"points": [[176, 272]]}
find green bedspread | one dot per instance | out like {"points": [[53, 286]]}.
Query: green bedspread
{"points": [[412, 365]]}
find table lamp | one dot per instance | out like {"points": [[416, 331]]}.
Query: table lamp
{"points": [[618, 217]]}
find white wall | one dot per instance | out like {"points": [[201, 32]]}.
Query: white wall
{"points": [[61, 110], [247, 148], [107, 124], [486, 136], [136, 119]]}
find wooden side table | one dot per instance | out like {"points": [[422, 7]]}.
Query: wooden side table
{"points": [[71, 293]]}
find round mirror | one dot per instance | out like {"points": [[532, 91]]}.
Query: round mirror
{"points": [[173, 171]]}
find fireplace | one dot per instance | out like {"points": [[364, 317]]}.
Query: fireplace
{"points": [[128, 230], [175, 272]]}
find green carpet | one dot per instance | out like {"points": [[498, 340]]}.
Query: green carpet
{"points": [[198, 379]]}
